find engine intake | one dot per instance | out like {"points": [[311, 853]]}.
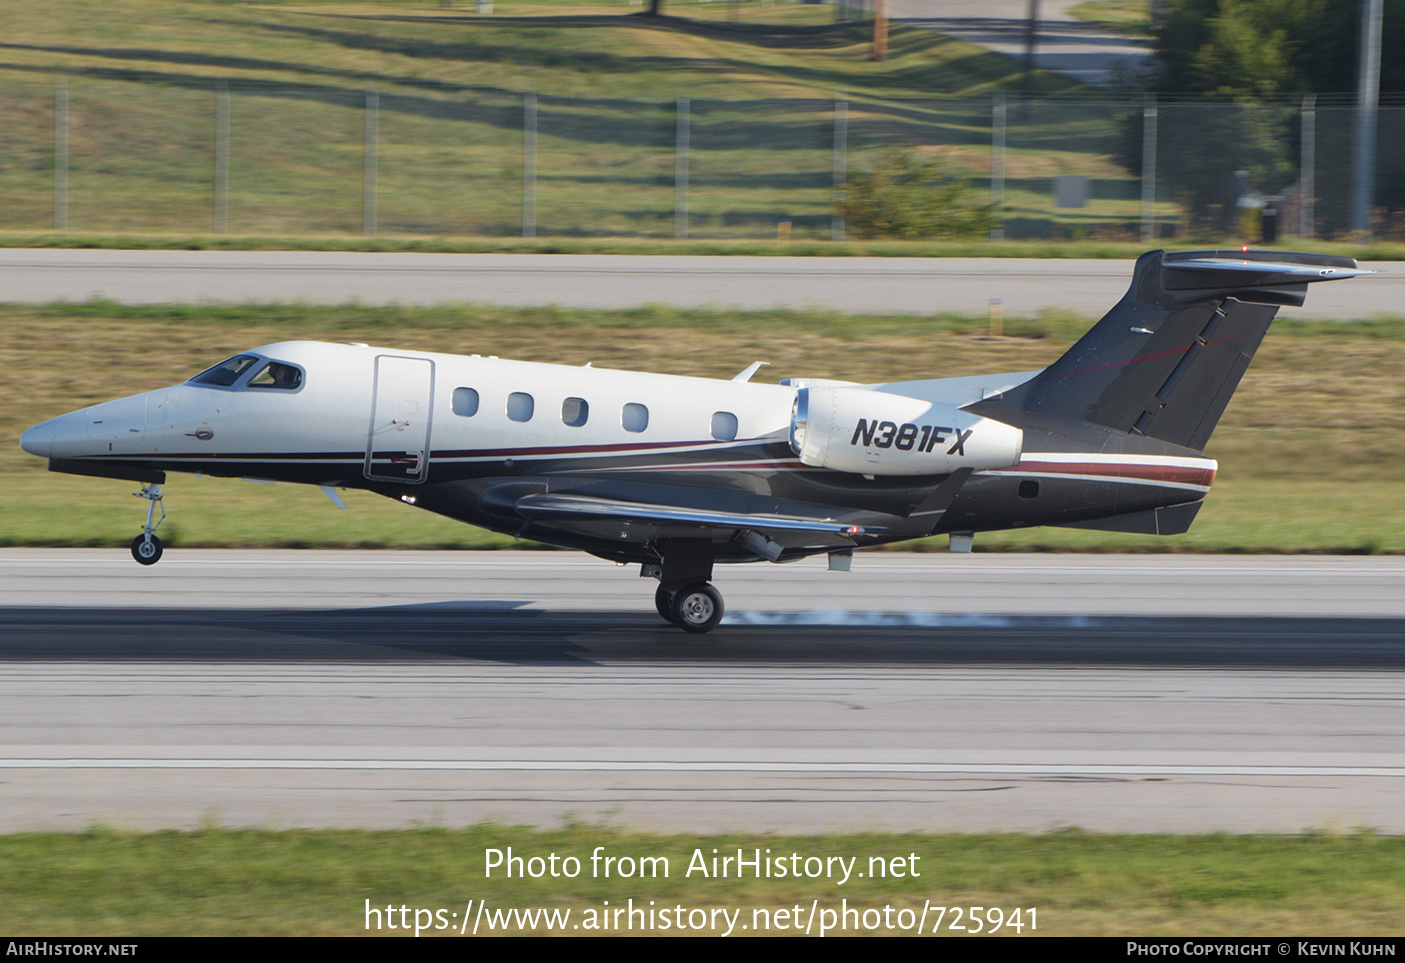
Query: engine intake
{"points": [[877, 433]]}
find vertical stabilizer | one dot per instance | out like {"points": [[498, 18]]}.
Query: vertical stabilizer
{"points": [[1165, 360]]}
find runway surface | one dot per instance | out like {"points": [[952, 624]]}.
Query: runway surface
{"points": [[1138, 693], [1025, 286]]}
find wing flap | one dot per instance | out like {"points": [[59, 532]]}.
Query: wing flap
{"points": [[578, 507]]}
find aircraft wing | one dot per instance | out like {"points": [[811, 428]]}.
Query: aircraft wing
{"points": [[578, 507]]}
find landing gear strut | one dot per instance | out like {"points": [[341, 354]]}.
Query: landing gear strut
{"points": [[685, 595], [146, 547]]}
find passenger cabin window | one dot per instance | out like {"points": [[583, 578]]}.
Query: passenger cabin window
{"points": [[226, 372], [520, 406], [277, 375], [574, 412], [465, 402], [724, 425], [634, 417]]}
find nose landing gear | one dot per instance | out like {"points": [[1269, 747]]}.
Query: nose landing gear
{"points": [[146, 547]]}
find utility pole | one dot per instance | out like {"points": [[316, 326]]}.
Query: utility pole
{"points": [[1031, 38], [1368, 95], [880, 29]]}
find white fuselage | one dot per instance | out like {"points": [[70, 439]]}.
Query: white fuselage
{"points": [[355, 398]]}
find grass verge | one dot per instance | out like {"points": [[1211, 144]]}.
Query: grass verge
{"points": [[447, 244], [320, 883]]}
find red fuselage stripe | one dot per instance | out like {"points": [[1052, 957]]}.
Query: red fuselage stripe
{"points": [[1176, 474]]}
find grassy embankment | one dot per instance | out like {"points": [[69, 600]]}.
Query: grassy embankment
{"points": [[302, 883], [141, 78], [1310, 448], [1125, 16]]}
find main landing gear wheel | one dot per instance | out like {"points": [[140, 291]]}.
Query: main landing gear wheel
{"points": [[146, 550], [697, 608], [663, 601]]}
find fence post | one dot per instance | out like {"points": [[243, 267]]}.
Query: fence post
{"points": [[221, 158], [1307, 180], [841, 165], [368, 176], [1149, 169], [997, 166], [680, 171], [529, 164], [61, 157]]}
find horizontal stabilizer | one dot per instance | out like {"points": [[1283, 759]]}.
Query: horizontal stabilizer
{"points": [[1264, 277]]}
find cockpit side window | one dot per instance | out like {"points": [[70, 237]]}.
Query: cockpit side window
{"points": [[277, 375], [226, 372]]}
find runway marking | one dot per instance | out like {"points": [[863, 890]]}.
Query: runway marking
{"points": [[575, 765], [933, 620]]}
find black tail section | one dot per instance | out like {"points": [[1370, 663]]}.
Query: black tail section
{"points": [[1165, 360]]}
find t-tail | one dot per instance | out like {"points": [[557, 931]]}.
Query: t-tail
{"points": [[1117, 427], [1163, 363]]}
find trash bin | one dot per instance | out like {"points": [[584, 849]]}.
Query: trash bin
{"points": [[1268, 227]]}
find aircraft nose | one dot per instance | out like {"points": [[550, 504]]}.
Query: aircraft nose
{"points": [[63, 437], [39, 440]]}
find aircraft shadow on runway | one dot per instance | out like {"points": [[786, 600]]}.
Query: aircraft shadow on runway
{"points": [[504, 632]]}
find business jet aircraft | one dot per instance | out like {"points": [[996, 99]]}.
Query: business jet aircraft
{"points": [[677, 473]]}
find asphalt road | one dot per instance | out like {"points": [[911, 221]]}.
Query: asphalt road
{"points": [[917, 692], [1075, 47], [911, 285]]}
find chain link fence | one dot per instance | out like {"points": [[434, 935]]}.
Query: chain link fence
{"points": [[256, 160]]}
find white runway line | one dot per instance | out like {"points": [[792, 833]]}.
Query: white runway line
{"points": [[925, 620], [569, 765]]}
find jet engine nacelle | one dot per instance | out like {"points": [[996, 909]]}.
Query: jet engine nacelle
{"points": [[877, 433]]}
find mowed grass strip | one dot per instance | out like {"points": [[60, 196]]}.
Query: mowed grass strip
{"points": [[318, 883], [807, 247], [1310, 448]]}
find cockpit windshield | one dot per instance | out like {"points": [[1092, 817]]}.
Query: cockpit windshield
{"points": [[277, 375], [225, 373]]}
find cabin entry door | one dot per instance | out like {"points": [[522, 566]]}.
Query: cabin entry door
{"points": [[397, 446]]}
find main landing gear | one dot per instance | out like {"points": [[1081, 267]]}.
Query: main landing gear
{"points": [[146, 547], [686, 596], [695, 608]]}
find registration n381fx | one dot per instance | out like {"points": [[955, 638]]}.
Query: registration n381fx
{"points": [[677, 474]]}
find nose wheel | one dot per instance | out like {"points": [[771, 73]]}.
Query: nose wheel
{"points": [[146, 547]]}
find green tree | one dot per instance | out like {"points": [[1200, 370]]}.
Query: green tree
{"points": [[911, 196], [1265, 47]]}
